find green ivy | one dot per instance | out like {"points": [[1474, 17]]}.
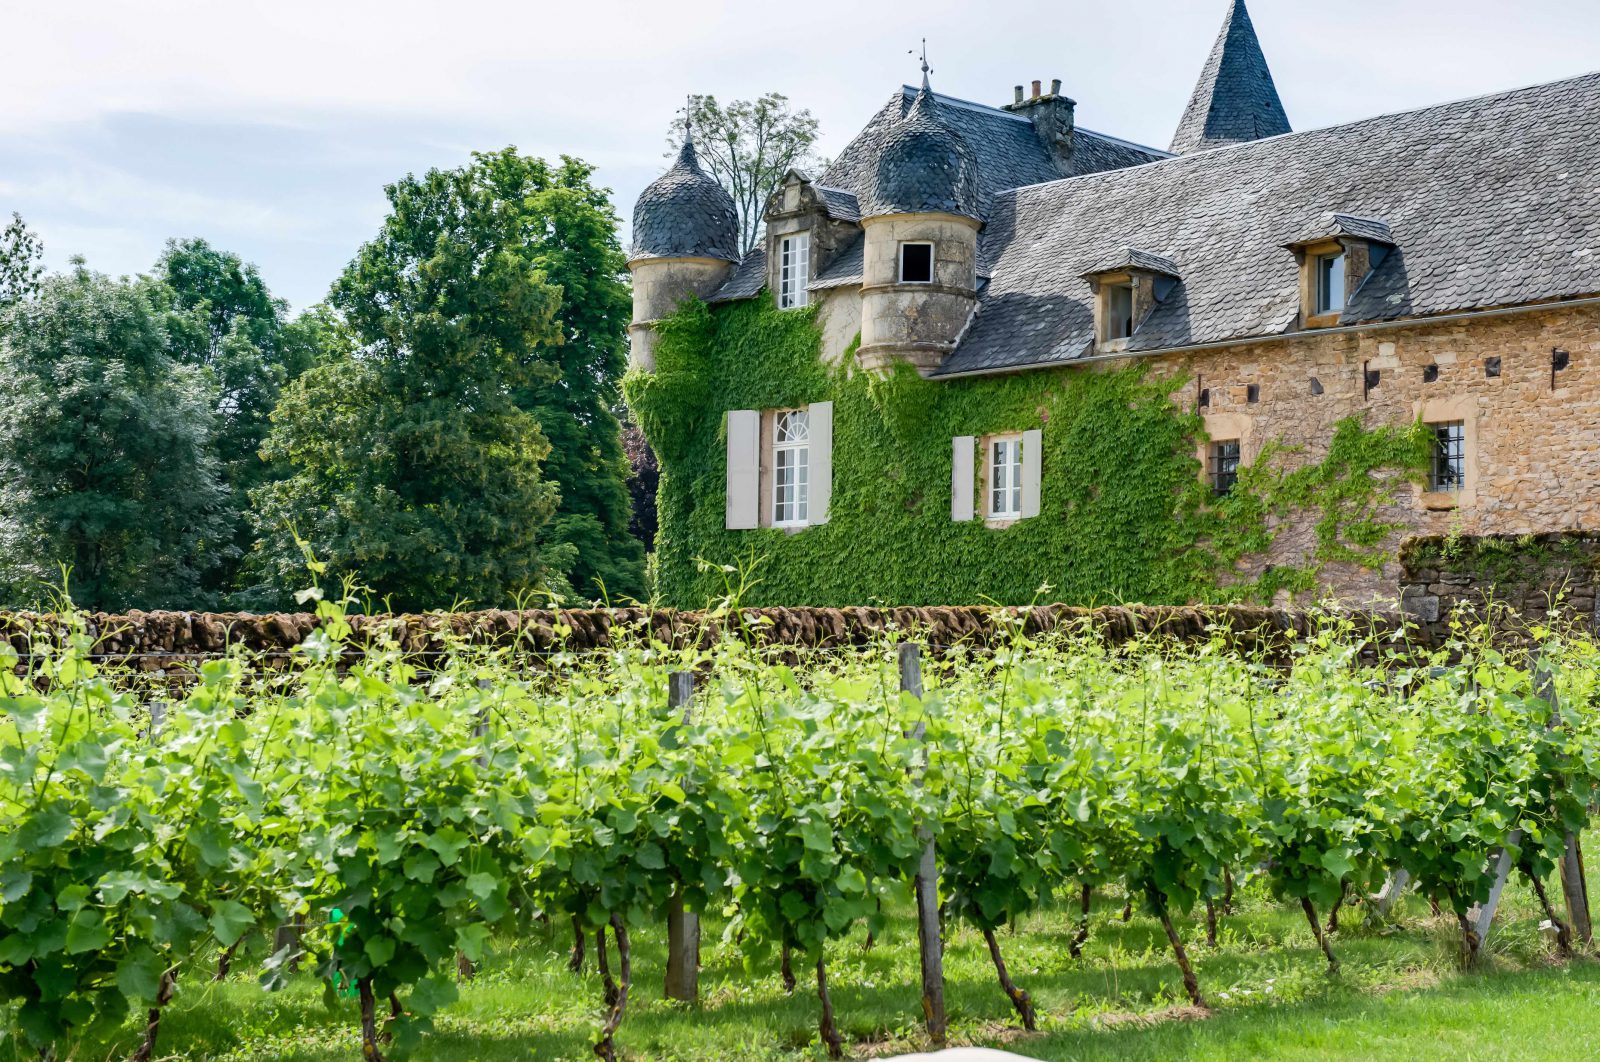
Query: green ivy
{"points": [[1126, 513]]}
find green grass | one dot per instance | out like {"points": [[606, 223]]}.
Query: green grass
{"points": [[1398, 996]]}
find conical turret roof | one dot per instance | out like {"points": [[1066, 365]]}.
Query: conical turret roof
{"points": [[685, 213], [924, 166], [1235, 100]]}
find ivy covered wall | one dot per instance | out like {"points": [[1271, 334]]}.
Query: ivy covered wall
{"points": [[1125, 515]]}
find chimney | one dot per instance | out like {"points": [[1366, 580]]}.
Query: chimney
{"points": [[1052, 118]]}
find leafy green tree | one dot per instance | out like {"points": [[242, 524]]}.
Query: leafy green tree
{"points": [[244, 340], [749, 146], [570, 230], [413, 466], [21, 268], [106, 461]]}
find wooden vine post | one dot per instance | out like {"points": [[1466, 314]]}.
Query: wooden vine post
{"points": [[1574, 886], [683, 926], [929, 940], [480, 730]]}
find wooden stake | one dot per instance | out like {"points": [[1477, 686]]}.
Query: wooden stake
{"points": [[1393, 886], [1485, 916], [1574, 886], [930, 940], [683, 926]]}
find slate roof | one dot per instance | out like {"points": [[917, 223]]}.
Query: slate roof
{"points": [[685, 213], [746, 280], [841, 204], [848, 266], [1235, 99], [1007, 151], [1492, 202]]}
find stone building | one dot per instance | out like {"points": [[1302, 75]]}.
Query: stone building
{"points": [[1439, 266]]}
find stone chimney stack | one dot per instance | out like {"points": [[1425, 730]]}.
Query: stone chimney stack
{"points": [[1052, 117]]}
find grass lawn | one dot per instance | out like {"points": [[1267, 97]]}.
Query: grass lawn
{"points": [[1399, 997]]}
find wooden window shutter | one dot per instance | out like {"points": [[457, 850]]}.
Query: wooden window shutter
{"points": [[963, 484], [1032, 459], [744, 475], [821, 458]]}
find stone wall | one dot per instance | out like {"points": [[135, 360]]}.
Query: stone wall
{"points": [[151, 641], [1533, 460], [1533, 577]]}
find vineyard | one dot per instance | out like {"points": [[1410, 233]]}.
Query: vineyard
{"points": [[389, 827]]}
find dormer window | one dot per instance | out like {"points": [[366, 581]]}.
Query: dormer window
{"points": [[916, 263], [1329, 272], [1119, 310], [1128, 285], [1336, 256], [794, 270]]}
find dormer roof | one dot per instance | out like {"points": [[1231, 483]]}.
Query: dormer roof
{"points": [[1334, 226], [1133, 260]]}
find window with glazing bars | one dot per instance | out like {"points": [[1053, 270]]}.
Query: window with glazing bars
{"points": [[1449, 471], [1224, 469], [794, 270], [791, 467], [1005, 478]]}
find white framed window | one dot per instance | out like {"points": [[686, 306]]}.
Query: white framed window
{"points": [[791, 468], [1004, 501], [1119, 311], [916, 263], [794, 270], [1329, 279]]}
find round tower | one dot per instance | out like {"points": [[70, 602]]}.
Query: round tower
{"points": [[920, 281], [685, 240]]}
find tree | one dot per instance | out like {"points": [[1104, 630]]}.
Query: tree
{"points": [[242, 338], [105, 448], [570, 230], [749, 146], [21, 266], [413, 467]]}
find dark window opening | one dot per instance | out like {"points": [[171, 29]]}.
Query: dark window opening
{"points": [[1119, 311], [916, 263], [1491, 367], [1224, 470], [1252, 393], [1430, 373], [1449, 469]]}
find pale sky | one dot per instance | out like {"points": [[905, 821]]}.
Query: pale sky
{"points": [[270, 129]]}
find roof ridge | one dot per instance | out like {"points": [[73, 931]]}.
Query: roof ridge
{"points": [[1247, 144]]}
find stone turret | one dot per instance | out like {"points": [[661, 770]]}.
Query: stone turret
{"points": [[685, 241], [920, 222]]}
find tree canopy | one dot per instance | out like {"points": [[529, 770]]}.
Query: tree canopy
{"points": [[106, 460], [414, 468]]}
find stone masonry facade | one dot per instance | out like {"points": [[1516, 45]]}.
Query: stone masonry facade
{"points": [[1533, 451]]}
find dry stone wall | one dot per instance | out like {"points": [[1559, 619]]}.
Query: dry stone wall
{"points": [[153, 641], [1514, 580]]}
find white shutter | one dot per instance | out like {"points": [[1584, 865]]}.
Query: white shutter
{"points": [[744, 463], [962, 483], [821, 471], [1032, 445]]}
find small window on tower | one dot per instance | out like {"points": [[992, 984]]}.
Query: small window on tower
{"points": [[916, 263]]}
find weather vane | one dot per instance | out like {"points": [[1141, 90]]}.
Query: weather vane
{"points": [[926, 69]]}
